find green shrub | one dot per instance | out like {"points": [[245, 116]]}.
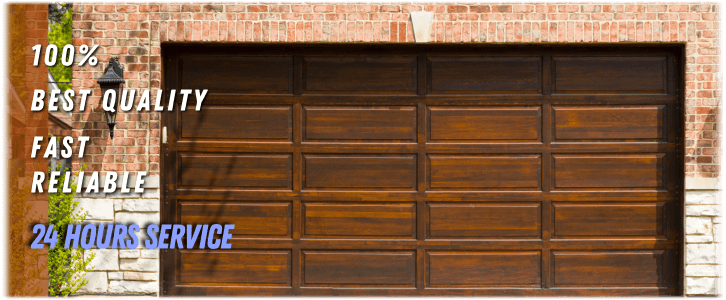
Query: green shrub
{"points": [[66, 267]]}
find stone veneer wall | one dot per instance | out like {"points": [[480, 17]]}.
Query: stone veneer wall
{"points": [[135, 31]]}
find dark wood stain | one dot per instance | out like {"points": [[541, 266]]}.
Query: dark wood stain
{"points": [[400, 170], [484, 220], [483, 269], [482, 123]]}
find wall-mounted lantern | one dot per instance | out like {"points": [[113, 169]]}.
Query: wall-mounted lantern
{"points": [[112, 79]]}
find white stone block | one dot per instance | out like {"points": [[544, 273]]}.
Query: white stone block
{"points": [[140, 264], [115, 275], [717, 232], [142, 219], [98, 208], [701, 254], [134, 287], [151, 193], [150, 253], [141, 276], [693, 239], [701, 197], [128, 254], [97, 283], [118, 204], [702, 210], [701, 286], [701, 270], [105, 259], [150, 205], [698, 225]]}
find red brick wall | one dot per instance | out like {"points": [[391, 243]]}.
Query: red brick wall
{"points": [[135, 31]]}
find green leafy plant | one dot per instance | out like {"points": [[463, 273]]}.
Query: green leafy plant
{"points": [[61, 34], [66, 267]]}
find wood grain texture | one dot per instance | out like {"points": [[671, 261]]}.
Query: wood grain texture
{"points": [[236, 170], [359, 220], [427, 170], [484, 123], [262, 219], [645, 268], [484, 220], [483, 269], [484, 171], [225, 267], [368, 123], [360, 171], [610, 123], [250, 74], [599, 75], [359, 268], [485, 75], [610, 170], [268, 123], [610, 219], [360, 75]]}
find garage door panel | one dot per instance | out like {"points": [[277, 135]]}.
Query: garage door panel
{"points": [[359, 220], [235, 170], [485, 75], [484, 220], [250, 123], [484, 171], [644, 171], [360, 172], [359, 75], [646, 268], [484, 123], [427, 170], [611, 75], [239, 75], [483, 269], [598, 220], [236, 267], [362, 124], [255, 220], [626, 123], [359, 268]]}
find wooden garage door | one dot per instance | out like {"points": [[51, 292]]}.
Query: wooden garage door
{"points": [[437, 170]]}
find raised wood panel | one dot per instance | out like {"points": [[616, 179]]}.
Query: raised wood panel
{"points": [[360, 123], [646, 268], [238, 74], [235, 267], [267, 123], [610, 122], [359, 74], [484, 123], [359, 220], [360, 171], [483, 268], [644, 170], [485, 75], [622, 74], [609, 219], [484, 171], [427, 170], [359, 268], [484, 220], [266, 219], [235, 170]]}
